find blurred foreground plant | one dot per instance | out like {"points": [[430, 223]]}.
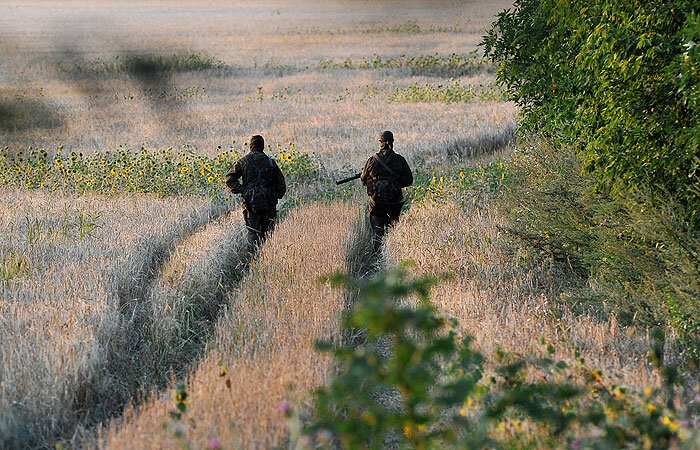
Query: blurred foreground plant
{"points": [[415, 383]]}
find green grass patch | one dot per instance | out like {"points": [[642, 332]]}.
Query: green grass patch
{"points": [[471, 185], [451, 92], [453, 65], [144, 64]]}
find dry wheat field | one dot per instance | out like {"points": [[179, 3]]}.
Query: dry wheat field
{"points": [[109, 298]]}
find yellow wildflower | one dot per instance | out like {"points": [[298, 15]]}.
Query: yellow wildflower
{"points": [[673, 426], [59, 162], [461, 175], [463, 412], [113, 171], [210, 179], [369, 418], [648, 391]]}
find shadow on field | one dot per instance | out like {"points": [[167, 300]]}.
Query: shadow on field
{"points": [[480, 144], [150, 72], [22, 114], [19, 112]]}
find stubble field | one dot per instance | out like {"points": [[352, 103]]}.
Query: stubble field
{"points": [[109, 298]]}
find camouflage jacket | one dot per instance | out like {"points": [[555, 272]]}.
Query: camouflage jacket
{"points": [[375, 173], [249, 169]]}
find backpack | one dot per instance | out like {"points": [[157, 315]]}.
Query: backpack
{"points": [[386, 190], [258, 193]]}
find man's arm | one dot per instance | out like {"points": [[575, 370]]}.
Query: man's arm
{"points": [[365, 171], [233, 178], [406, 175]]}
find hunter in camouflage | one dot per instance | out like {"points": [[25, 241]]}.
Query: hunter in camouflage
{"points": [[260, 182], [384, 175]]}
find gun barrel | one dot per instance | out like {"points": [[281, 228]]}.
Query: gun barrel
{"points": [[348, 179]]}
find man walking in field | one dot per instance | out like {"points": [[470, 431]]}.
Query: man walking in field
{"points": [[260, 182], [384, 175]]}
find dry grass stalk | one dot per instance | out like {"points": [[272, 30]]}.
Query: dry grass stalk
{"points": [[264, 340]]}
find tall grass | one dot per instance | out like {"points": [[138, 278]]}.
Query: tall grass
{"points": [[263, 351], [191, 289], [503, 303], [76, 271], [633, 257]]}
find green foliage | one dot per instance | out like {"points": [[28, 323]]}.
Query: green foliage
{"points": [[630, 257], [620, 80], [145, 64], [471, 185], [450, 92], [453, 65], [162, 172], [415, 383], [176, 427]]}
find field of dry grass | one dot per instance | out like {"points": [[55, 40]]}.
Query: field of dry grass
{"points": [[271, 83], [108, 302], [503, 304], [74, 299]]}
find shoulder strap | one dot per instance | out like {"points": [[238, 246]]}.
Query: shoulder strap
{"points": [[385, 165]]}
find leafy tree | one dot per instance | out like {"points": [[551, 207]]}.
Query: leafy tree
{"points": [[619, 79]]}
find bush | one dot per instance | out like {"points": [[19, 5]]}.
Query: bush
{"points": [[619, 80], [415, 383]]}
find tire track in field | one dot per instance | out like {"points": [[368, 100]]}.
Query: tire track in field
{"points": [[138, 361], [132, 366], [264, 338]]}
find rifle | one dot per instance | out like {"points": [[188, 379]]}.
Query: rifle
{"points": [[348, 179]]}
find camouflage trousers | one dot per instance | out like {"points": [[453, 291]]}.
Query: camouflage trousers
{"points": [[381, 217], [259, 223]]}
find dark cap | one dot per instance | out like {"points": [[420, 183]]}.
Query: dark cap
{"points": [[386, 136], [257, 143]]}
